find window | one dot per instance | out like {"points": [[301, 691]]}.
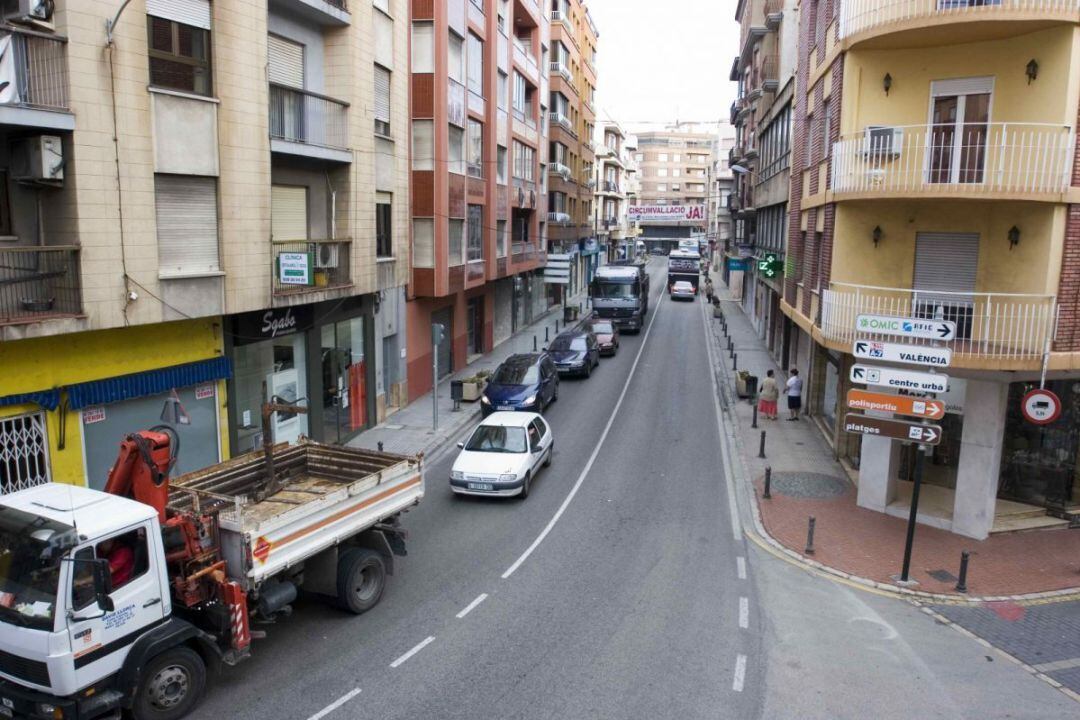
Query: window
{"points": [[382, 100], [500, 165], [285, 62], [24, 452], [826, 129], [187, 224], [661, 172], [179, 55], [661, 187], [500, 238], [662, 157], [520, 95], [384, 237], [423, 242], [457, 150], [503, 90], [476, 64], [476, 233], [524, 159], [423, 47], [384, 40], [809, 141], [456, 58], [675, 157], [475, 150], [675, 188], [675, 172], [128, 560], [456, 237], [639, 157], [423, 157]]}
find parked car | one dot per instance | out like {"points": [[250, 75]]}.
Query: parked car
{"points": [[526, 381], [575, 352], [683, 290], [607, 336], [503, 455]]}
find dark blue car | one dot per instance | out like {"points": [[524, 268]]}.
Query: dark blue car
{"points": [[527, 381], [575, 352]]}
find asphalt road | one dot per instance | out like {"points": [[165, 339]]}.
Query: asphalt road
{"points": [[616, 590]]}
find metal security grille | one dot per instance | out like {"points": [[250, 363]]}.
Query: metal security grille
{"points": [[24, 452]]}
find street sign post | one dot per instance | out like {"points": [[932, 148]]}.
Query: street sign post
{"points": [[1041, 407], [899, 379], [899, 404], [906, 327], [896, 352], [894, 429]]}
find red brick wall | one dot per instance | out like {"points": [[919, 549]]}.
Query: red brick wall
{"points": [[1068, 331]]}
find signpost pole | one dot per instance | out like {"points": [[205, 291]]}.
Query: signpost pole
{"points": [[919, 457]]}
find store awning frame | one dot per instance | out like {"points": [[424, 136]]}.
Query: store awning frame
{"points": [[149, 382]]}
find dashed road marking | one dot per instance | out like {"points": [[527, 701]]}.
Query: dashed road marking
{"points": [[472, 606], [744, 613], [336, 704], [740, 566], [419, 646], [740, 673]]}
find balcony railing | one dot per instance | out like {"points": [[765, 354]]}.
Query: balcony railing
{"points": [[562, 121], [311, 265], [561, 69], [557, 168], [971, 159], [769, 73], [559, 218], [557, 16], [40, 68], [774, 11], [999, 326], [39, 282], [861, 15], [609, 186], [305, 117]]}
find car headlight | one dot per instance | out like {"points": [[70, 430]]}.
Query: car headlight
{"points": [[507, 477], [47, 709], [530, 400], [457, 475], [484, 399]]}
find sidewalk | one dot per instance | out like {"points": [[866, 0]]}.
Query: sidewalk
{"points": [[409, 431], [864, 544]]}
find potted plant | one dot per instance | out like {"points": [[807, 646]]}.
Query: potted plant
{"points": [[473, 387], [740, 383]]}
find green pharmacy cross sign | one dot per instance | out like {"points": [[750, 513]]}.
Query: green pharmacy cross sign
{"points": [[768, 266]]}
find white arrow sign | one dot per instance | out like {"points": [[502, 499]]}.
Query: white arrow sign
{"points": [[899, 379], [895, 352], [906, 327]]}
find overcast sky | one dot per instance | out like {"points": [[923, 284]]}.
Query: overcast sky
{"points": [[658, 61]]}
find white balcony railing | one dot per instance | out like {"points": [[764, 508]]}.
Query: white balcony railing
{"points": [[1000, 326], [561, 120], [860, 15], [562, 70], [559, 218], [970, 159], [39, 70], [558, 168]]}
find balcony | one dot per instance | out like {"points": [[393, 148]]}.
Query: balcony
{"points": [[864, 19], [558, 218], [1010, 330], [37, 95], [774, 13], [557, 118], [327, 13], [307, 266], [39, 283], [562, 71], [525, 59], [557, 16], [991, 161], [308, 124], [609, 187], [769, 74], [557, 168]]}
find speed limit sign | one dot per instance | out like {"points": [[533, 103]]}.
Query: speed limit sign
{"points": [[1041, 407]]}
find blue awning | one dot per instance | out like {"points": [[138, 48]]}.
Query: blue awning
{"points": [[150, 382], [48, 399]]}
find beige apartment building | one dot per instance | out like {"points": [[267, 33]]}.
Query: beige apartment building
{"points": [[675, 167], [199, 200]]}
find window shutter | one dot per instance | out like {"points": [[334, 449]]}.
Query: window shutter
{"points": [[286, 60], [384, 164], [188, 12], [382, 94], [187, 228], [423, 47], [384, 40], [423, 243], [288, 212], [423, 150], [946, 262]]}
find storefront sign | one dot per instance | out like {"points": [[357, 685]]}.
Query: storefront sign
{"points": [[899, 379], [666, 213], [768, 266], [895, 352], [1041, 407], [294, 268], [893, 429], [93, 415], [736, 264], [204, 392], [268, 324], [906, 327], [899, 404]]}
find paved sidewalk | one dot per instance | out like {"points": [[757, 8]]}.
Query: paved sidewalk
{"points": [[808, 481], [409, 431]]}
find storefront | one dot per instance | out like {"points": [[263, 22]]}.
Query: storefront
{"points": [[1039, 463], [315, 356]]}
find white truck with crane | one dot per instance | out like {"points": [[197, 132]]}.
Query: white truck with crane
{"points": [[119, 601]]}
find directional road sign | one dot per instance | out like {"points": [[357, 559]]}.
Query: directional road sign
{"points": [[894, 429], [906, 327], [899, 379], [1041, 407], [900, 404], [895, 352]]}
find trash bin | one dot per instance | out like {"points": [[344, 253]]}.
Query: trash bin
{"points": [[456, 390], [569, 314], [751, 386]]}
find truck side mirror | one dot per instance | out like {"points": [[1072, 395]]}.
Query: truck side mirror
{"points": [[103, 585]]}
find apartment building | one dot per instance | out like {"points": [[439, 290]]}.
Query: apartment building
{"points": [[203, 204], [571, 149], [933, 175], [615, 176], [761, 113], [674, 166], [720, 232]]}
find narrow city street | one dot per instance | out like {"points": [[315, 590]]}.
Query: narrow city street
{"points": [[618, 590]]}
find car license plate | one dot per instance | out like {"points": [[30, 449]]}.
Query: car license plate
{"points": [[506, 407], [481, 486]]}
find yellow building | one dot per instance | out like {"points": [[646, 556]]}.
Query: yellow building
{"points": [[934, 176]]}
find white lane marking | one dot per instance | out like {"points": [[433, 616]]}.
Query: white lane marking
{"points": [[740, 673], [336, 704], [471, 606], [592, 458], [744, 613], [729, 467], [419, 646], [740, 564]]}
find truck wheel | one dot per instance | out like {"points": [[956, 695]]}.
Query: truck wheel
{"points": [[361, 579], [171, 685]]}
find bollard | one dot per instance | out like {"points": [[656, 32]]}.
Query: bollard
{"points": [[534, 343], [961, 584], [380, 446], [556, 326], [810, 536], [546, 328], [768, 482], [761, 449], [734, 361], [753, 423]]}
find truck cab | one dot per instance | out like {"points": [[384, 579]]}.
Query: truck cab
{"points": [[618, 294]]}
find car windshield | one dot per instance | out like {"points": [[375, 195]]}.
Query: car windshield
{"points": [[516, 374], [496, 438], [562, 344], [30, 550], [613, 290], [602, 328]]}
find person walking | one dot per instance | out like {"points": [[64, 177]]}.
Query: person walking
{"points": [[793, 389], [708, 290], [767, 397]]}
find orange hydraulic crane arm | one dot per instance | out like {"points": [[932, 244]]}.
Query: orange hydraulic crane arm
{"points": [[141, 470]]}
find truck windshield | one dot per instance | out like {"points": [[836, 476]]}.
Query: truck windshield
{"points": [[30, 550], [614, 290]]}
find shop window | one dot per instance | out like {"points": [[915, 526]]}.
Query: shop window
{"points": [[1039, 462], [280, 363]]}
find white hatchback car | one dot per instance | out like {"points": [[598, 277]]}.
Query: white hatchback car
{"points": [[503, 455]]}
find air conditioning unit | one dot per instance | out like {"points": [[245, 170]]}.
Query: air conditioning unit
{"points": [[38, 13], [326, 256], [39, 158], [883, 141]]}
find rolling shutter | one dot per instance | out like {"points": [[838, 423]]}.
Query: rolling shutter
{"points": [[384, 40], [186, 224], [286, 60], [188, 12], [288, 212], [945, 262], [382, 94]]}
